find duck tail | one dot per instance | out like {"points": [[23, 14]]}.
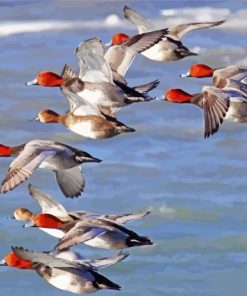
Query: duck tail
{"points": [[127, 129], [138, 241], [102, 282], [145, 88], [140, 99]]}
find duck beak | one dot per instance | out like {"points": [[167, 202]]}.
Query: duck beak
{"points": [[32, 82], [3, 263], [35, 119], [108, 43], [185, 75], [9, 217], [31, 224]]}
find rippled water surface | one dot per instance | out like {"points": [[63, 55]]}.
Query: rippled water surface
{"points": [[195, 188]]}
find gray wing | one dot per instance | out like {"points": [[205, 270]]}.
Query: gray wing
{"points": [[104, 262], [229, 71], [240, 77], [48, 260], [236, 88], [71, 181], [215, 104], [79, 234], [120, 57], [23, 166], [144, 41], [181, 30], [78, 105], [134, 17], [67, 73], [47, 203], [131, 217], [92, 63], [147, 87]]}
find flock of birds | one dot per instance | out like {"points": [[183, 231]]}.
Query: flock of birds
{"points": [[94, 97]]}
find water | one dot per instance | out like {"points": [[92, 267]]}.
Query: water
{"points": [[195, 188]]}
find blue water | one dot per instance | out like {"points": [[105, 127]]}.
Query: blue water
{"points": [[195, 188]]}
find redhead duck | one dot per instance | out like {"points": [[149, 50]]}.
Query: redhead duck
{"points": [[49, 205], [232, 80], [95, 83], [64, 160], [170, 48], [74, 276], [96, 232], [214, 102]]}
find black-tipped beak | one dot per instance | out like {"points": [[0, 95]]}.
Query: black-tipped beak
{"points": [[9, 217], [3, 263], [31, 224], [35, 119], [185, 75], [32, 82]]}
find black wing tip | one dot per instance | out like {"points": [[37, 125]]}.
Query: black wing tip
{"points": [[147, 213], [212, 132], [76, 195], [217, 23], [126, 7], [155, 84]]}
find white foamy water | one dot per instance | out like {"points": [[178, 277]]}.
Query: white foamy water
{"points": [[169, 17]]}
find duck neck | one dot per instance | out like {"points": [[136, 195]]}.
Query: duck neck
{"points": [[49, 116], [61, 119]]}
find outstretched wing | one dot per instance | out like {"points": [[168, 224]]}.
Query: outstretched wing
{"points": [[71, 181], [23, 166], [120, 57], [104, 262], [47, 203], [49, 260], [136, 18], [92, 63], [78, 105], [215, 104], [181, 30], [79, 234]]}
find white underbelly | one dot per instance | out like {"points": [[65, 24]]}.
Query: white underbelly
{"points": [[58, 163], [109, 240], [160, 53], [66, 281], [83, 128], [92, 96], [98, 243], [53, 232]]}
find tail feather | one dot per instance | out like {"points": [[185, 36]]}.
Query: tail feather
{"points": [[138, 241], [127, 129], [102, 282], [145, 88], [145, 98]]}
